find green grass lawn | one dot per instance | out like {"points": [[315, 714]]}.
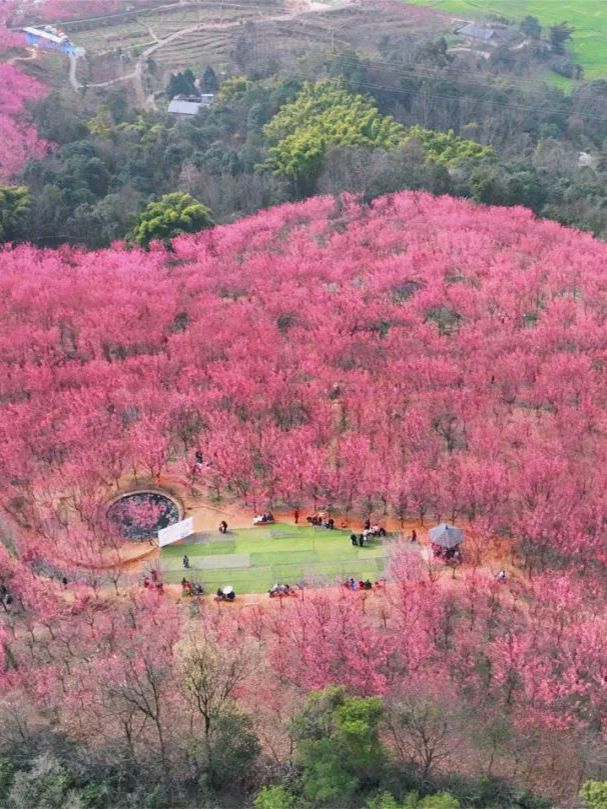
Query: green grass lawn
{"points": [[588, 17], [253, 559]]}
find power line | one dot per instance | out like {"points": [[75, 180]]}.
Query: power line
{"points": [[426, 72], [494, 102]]}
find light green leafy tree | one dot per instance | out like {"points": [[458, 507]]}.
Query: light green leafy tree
{"points": [[338, 744], [326, 115], [233, 89], [441, 800], [594, 794], [170, 216], [446, 147], [274, 797]]}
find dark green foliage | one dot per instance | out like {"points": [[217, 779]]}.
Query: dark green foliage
{"points": [[112, 159], [208, 81], [46, 785], [7, 773], [347, 65], [14, 207], [530, 26], [182, 84], [559, 35], [509, 184], [234, 748]]}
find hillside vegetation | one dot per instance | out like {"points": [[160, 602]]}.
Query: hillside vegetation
{"points": [[588, 18], [420, 357]]}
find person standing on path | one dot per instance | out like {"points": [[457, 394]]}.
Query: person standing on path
{"points": [[296, 516]]}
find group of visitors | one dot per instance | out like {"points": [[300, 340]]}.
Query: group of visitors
{"points": [[191, 588], [153, 582], [352, 584], [452, 556], [281, 590], [321, 521], [225, 593], [373, 530], [263, 519], [360, 540]]}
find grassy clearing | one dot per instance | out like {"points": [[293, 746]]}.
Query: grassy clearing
{"points": [[588, 17], [252, 560]]}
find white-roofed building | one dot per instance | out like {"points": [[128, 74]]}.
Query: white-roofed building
{"points": [[190, 105]]}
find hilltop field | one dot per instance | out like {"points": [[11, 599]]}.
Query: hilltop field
{"points": [[253, 559], [588, 18]]}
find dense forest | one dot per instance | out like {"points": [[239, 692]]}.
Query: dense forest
{"points": [[538, 146]]}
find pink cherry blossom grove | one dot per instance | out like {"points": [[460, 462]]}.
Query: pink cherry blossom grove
{"points": [[422, 358]]}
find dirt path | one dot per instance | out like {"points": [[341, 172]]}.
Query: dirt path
{"points": [[76, 85], [463, 49], [32, 54], [304, 8]]}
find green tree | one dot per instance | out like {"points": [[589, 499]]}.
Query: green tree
{"points": [[170, 216], [324, 115], [594, 794], [530, 26], [383, 801], [15, 203], [347, 64], [46, 785], [446, 147], [275, 797], [208, 80], [440, 800], [234, 89], [338, 744], [102, 124], [181, 84], [235, 747], [7, 773], [559, 35]]}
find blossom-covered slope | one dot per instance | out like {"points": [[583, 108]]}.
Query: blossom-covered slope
{"points": [[424, 354]]}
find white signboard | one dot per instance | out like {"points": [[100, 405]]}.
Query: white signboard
{"points": [[179, 530]]}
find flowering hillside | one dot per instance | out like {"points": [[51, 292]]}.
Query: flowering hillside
{"points": [[20, 141], [424, 354], [422, 357]]}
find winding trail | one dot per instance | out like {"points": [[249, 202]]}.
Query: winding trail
{"points": [[147, 100], [32, 55]]}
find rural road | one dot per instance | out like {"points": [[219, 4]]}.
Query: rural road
{"points": [[147, 100]]}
